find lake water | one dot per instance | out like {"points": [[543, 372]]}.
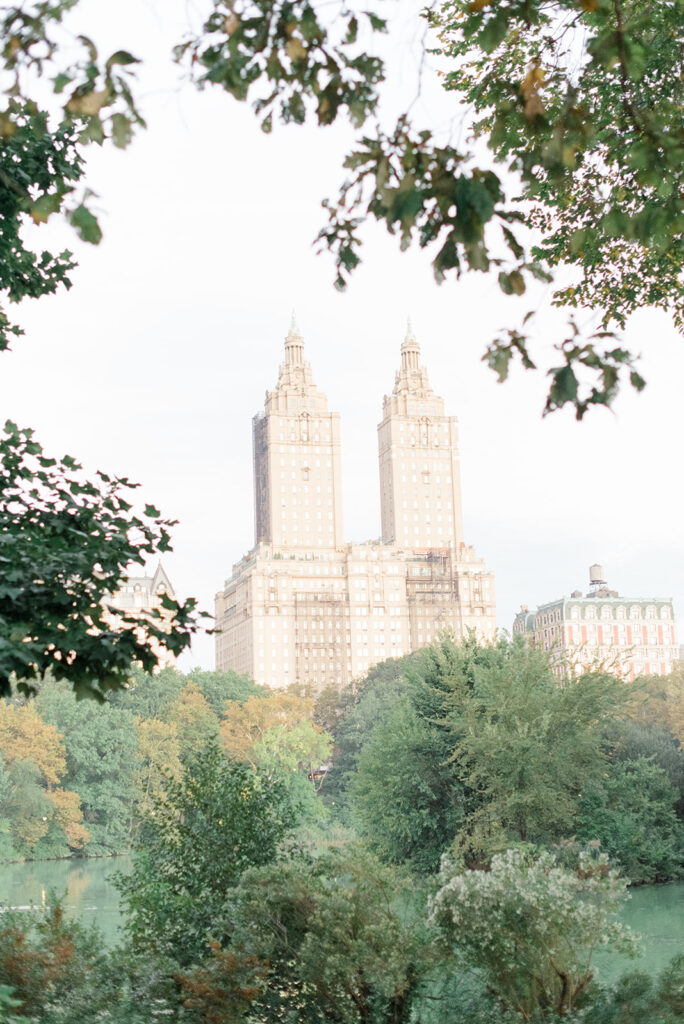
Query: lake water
{"points": [[655, 912], [86, 885]]}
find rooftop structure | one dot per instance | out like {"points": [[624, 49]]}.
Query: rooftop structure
{"points": [[630, 636]]}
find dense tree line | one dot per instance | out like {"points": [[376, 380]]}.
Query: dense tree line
{"points": [[487, 817], [465, 746], [77, 777], [483, 747]]}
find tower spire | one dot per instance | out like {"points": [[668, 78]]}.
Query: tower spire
{"points": [[410, 351], [294, 344]]}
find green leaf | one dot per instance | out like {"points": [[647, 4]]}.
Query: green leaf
{"points": [[43, 207], [121, 57], [517, 282], [122, 130], [86, 225], [61, 80], [377, 24]]}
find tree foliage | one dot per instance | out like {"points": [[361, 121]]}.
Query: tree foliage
{"points": [[408, 799], [45, 960], [487, 749], [275, 728], [630, 809], [43, 819], [342, 937], [79, 777], [578, 100], [42, 140], [100, 745], [582, 100], [218, 819], [24, 736], [275, 731], [527, 746], [246, 725], [195, 722], [158, 758], [532, 926], [66, 544], [351, 715]]}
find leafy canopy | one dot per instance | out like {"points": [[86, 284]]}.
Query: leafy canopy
{"points": [[408, 800], [526, 746], [219, 818], [630, 809], [42, 131], [343, 937], [66, 544], [101, 745], [483, 748], [578, 100]]}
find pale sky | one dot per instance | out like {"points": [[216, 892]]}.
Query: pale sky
{"points": [[153, 365]]}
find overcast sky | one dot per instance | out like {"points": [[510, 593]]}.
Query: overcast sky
{"points": [[154, 363]]}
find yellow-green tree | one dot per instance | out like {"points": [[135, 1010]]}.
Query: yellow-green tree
{"points": [[246, 725], [159, 752], [277, 732], [24, 736], [194, 719], [37, 807], [663, 703]]}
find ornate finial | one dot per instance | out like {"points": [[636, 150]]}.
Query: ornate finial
{"points": [[294, 344], [410, 350]]}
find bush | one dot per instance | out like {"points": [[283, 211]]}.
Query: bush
{"points": [[217, 820], [531, 926], [638, 999], [43, 957], [344, 938]]}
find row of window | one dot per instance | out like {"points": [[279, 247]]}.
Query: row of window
{"points": [[619, 612], [293, 449]]}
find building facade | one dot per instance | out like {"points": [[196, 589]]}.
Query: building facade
{"points": [[305, 607], [138, 597], [625, 635]]}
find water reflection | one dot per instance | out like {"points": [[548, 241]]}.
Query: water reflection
{"points": [[86, 885], [655, 912]]}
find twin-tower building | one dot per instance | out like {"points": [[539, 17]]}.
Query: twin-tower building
{"points": [[306, 607]]}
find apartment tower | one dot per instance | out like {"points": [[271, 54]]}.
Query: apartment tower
{"points": [[305, 607]]}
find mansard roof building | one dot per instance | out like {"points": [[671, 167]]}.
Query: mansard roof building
{"points": [[631, 636], [305, 607]]}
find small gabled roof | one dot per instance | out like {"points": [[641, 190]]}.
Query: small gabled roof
{"points": [[161, 579]]}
